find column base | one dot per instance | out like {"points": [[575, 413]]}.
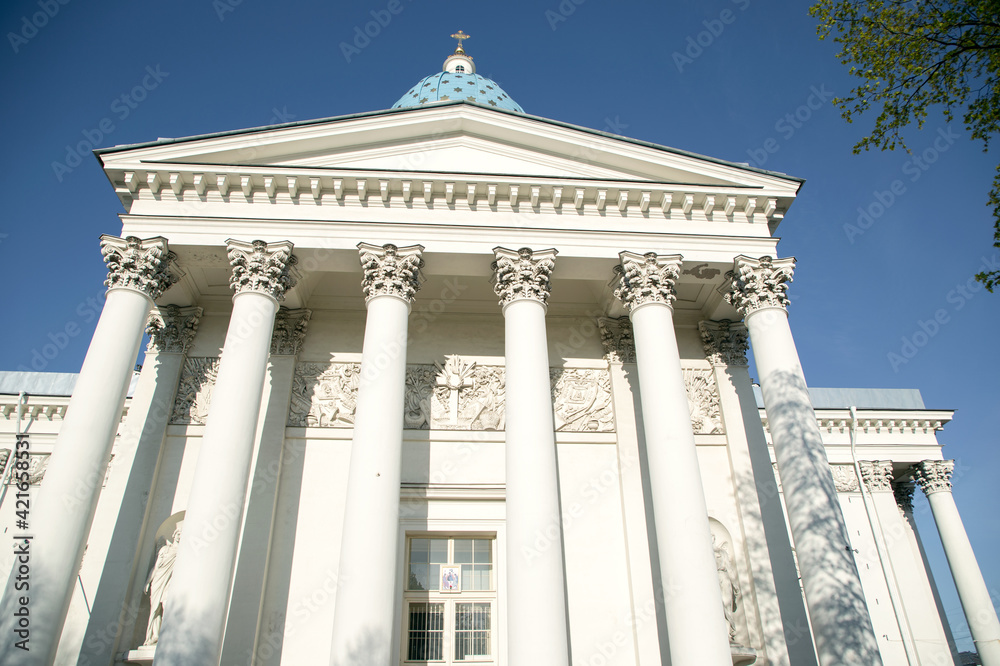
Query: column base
{"points": [[141, 655], [743, 656]]}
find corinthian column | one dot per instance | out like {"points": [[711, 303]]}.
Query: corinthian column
{"points": [[115, 538], [837, 609], [61, 517], [366, 582], [696, 625], [782, 612], [194, 614], [934, 478], [258, 523], [536, 589]]}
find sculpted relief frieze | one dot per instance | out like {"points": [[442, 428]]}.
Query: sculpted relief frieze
{"points": [[194, 392], [324, 395], [581, 400], [844, 478], [703, 401], [458, 394]]}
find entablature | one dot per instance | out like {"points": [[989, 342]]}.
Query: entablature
{"points": [[333, 194], [878, 422]]}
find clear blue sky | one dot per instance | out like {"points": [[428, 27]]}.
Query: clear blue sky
{"points": [[625, 67]]}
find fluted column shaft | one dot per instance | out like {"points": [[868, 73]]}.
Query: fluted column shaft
{"points": [[61, 516], [838, 611], [696, 625], [194, 613], [536, 592], [934, 478], [366, 582]]}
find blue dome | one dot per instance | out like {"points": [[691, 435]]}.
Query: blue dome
{"points": [[457, 86]]}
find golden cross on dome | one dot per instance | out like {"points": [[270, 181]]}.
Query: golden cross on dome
{"points": [[460, 36]]}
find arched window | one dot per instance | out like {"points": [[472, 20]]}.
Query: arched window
{"points": [[459, 68]]}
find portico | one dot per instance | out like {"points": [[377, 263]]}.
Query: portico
{"points": [[459, 383]]}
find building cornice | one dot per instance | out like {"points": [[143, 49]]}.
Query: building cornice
{"points": [[194, 185], [879, 421], [40, 408]]}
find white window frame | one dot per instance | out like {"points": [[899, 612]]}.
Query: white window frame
{"points": [[450, 600], [425, 516]]}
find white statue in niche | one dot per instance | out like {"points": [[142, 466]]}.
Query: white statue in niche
{"points": [[158, 583], [728, 583]]}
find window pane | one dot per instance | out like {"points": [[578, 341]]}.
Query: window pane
{"points": [[418, 577], [434, 579], [439, 551], [484, 551], [463, 551], [468, 578], [426, 632], [472, 631], [418, 550], [484, 577]]}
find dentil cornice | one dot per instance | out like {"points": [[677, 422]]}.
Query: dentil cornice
{"points": [[523, 274], [647, 278], [141, 265], [266, 268], [390, 270], [725, 342], [617, 338], [289, 331], [171, 329], [877, 474], [755, 284], [934, 476]]}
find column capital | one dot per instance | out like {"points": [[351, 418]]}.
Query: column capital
{"points": [[289, 331], [725, 342], [647, 278], [137, 264], [523, 274], [877, 474], [756, 284], [934, 476], [903, 492], [262, 267], [617, 338], [171, 329], [390, 270]]}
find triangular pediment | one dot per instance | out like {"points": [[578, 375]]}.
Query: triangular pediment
{"points": [[449, 138]]}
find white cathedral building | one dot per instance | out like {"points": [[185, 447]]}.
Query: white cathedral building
{"points": [[450, 383]]}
